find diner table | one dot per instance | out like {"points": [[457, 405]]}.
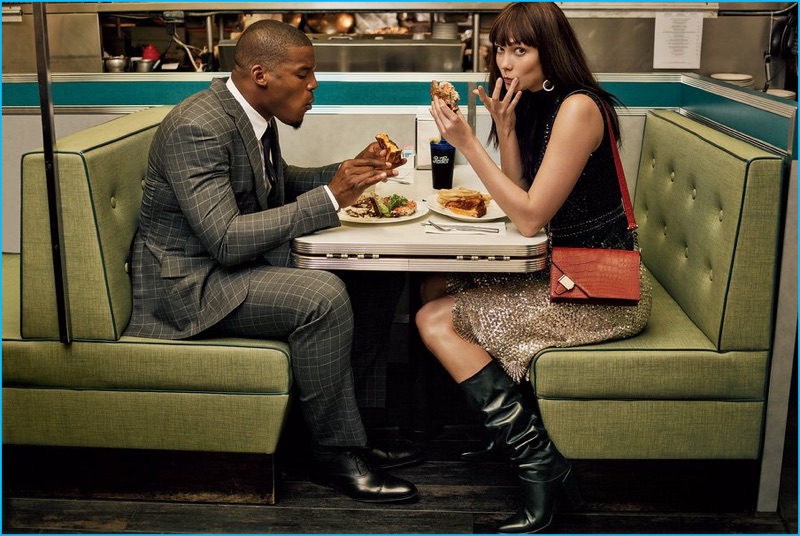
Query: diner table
{"points": [[410, 245]]}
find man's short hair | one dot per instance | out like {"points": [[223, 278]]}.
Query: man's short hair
{"points": [[265, 42]]}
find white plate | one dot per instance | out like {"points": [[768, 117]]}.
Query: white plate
{"points": [[783, 93], [493, 212], [737, 79], [421, 211], [733, 77]]}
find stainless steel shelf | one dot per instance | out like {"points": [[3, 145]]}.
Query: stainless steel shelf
{"points": [[572, 9], [273, 7]]}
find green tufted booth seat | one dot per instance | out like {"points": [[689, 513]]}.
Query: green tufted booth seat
{"points": [[104, 389], [693, 384]]}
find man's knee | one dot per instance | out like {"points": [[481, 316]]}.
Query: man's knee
{"points": [[329, 293]]}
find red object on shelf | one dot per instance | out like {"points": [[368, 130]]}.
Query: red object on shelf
{"points": [[149, 52]]}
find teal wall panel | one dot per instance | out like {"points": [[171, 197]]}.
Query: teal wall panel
{"points": [[645, 94], [99, 93], [759, 123], [20, 94], [329, 93], [353, 93]]}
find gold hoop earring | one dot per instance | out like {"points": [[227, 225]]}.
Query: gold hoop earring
{"points": [[547, 85]]}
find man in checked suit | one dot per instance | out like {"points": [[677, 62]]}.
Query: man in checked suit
{"points": [[219, 210]]}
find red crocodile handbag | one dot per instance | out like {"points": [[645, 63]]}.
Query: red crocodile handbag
{"points": [[594, 275], [597, 275]]}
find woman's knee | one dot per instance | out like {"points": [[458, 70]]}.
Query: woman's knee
{"points": [[435, 317]]}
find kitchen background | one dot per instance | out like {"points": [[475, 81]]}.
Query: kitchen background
{"points": [[758, 39]]}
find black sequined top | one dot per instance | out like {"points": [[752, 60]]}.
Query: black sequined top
{"points": [[593, 214]]}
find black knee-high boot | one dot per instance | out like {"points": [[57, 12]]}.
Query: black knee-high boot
{"points": [[518, 432]]}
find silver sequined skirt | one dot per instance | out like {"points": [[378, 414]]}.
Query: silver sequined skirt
{"points": [[511, 317]]}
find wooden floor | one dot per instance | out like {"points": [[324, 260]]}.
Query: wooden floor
{"points": [[54, 490], [455, 497]]}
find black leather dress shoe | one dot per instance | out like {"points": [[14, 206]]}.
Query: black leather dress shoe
{"points": [[395, 457], [352, 473]]}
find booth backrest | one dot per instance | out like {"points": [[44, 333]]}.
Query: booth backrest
{"points": [[695, 188], [100, 172]]}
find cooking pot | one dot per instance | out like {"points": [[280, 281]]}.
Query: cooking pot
{"points": [[116, 64], [330, 23]]}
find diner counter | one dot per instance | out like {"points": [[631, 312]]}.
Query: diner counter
{"points": [[411, 244]]}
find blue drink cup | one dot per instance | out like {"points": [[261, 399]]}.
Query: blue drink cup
{"points": [[443, 157]]}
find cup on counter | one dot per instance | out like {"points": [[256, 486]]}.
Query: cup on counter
{"points": [[142, 65], [443, 156]]}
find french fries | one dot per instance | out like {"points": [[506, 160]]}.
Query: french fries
{"points": [[458, 194]]}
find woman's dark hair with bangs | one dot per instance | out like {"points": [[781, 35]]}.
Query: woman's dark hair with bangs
{"points": [[544, 26]]}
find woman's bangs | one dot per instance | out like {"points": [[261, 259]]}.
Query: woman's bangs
{"points": [[510, 28]]}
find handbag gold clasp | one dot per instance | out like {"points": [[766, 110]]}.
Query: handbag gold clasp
{"points": [[566, 282]]}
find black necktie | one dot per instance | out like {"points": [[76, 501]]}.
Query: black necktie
{"points": [[269, 170], [266, 144]]}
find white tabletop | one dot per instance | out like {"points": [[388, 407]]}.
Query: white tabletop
{"points": [[406, 246]]}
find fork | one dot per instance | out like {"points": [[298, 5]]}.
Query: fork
{"points": [[449, 228]]}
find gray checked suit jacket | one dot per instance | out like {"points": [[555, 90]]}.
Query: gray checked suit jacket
{"points": [[203, 224]]}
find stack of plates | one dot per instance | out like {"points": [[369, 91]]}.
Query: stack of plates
{"points": [[737, 79], [445, 30]]}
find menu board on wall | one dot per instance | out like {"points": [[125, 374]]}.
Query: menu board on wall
{"points": [[678, 40]]}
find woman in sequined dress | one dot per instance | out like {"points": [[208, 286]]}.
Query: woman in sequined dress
{"points": [[557, 172]]}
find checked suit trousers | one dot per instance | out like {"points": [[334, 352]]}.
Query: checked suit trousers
{"points": [[311, 309]]}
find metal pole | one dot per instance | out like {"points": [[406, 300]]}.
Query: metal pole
{"points": [[51, 169], [783, 349], [472, 100], [476, 43], [210, 42]]}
